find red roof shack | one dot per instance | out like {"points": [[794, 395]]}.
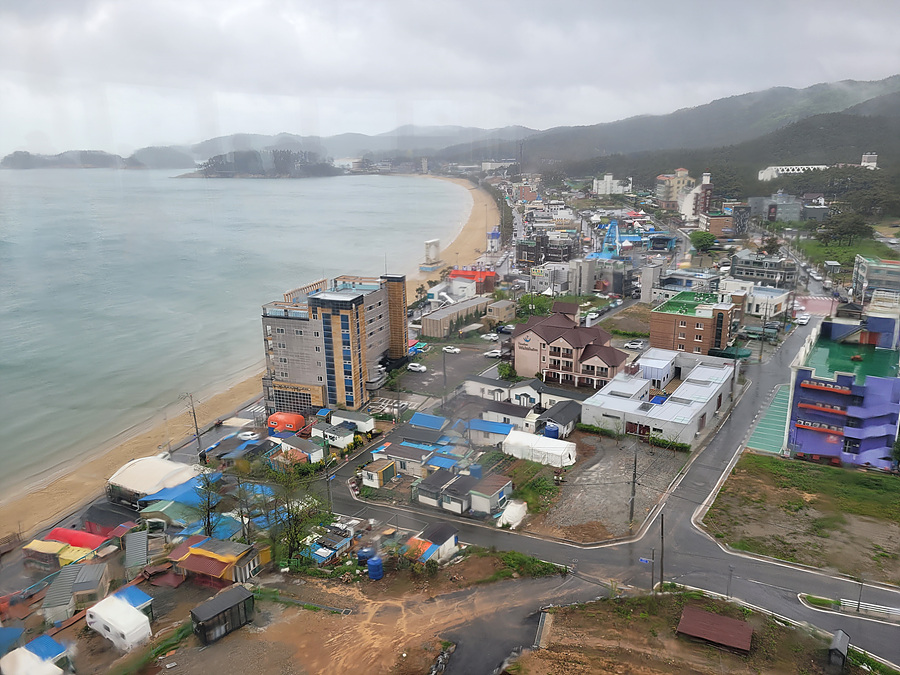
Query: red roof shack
{"points": [[731, 634]]}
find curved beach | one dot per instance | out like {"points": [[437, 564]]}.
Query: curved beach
{"points": [[44, 503]]}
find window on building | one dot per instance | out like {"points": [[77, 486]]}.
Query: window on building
{"points": [[681, 348], [682, 324], [318, 348], [698, 326], [698, 350], [698, 338], [284, 373], [320, 378], [297, 331], [279, 330], [316, 334], [281, 345], [681, 336], [282, 359]]}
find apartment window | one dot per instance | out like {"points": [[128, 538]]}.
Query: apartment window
{"points": [[543, 345], [281, 345], [319, 364], [318, 348], [320, 378], [698, 326], [681, 336], [698, 350], [283, 373], [682, 324], [279, 330], [316, 334], [281, 359], [698, 338], [681, 348], [297, 331]]}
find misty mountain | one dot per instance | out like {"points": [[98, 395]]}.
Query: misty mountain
{"points": [[167, 157], [722, 122], [821, 139], [407, 140], [887, 105]]}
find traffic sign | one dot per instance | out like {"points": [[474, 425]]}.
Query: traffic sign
{"points": [[644, 560]]}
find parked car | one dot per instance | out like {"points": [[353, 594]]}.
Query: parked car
{"points": [[450, 349], [416, 368], [773, 324], [490, 336], [634, 344], [493, 354], [798, 307], [803, 319], [508, 328]]}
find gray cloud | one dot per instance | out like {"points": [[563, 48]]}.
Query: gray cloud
{"points": [[117, 75]]}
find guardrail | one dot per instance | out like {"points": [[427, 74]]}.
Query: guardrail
{"points": [[892, 613]]}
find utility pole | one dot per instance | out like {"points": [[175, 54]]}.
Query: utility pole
{"points": [[328, 483], [190, 398], [633, 488], [653, 571], [730, 575], [662, 547]]}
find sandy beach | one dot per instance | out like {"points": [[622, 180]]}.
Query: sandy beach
{"points": [[71, 487]]}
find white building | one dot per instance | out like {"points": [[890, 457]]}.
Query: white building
{"points": [[773, 172], [637, 402], [607, 185], [763, 301], [119, 622]]}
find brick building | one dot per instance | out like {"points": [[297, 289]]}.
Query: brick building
{"points": [[693, 322]]}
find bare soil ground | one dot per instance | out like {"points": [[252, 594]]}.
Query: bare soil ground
{"points": [[593, 501], [634, 319], [754, 513], [637, 636]]}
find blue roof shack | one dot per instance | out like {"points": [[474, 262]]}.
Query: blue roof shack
{"points": [[442, 462], [424, 421], [188, 493], [135, 597], [483, 432], [10, 638]]}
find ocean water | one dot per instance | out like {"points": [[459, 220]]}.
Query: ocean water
{"points": [[119, 290]]}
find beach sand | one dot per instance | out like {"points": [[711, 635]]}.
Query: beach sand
{"points": [[72, 487]]}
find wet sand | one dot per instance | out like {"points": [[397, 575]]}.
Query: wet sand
{"points": [[38, 505]]}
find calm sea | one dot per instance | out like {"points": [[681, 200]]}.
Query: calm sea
{"points": [[119, 290]]}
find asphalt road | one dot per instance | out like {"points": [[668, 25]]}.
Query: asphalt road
{"points": [[691, 557]]}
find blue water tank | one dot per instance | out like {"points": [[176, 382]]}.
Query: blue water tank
{"points": [[551, 430], [376, 568], [475, 471], [364, 554]]}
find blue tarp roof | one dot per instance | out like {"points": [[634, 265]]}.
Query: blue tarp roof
{"points": [[8, 637], [490, 427], [441, 462], [241, 450], [134, 596], [267, 520], [281, 434], [310, 552], [323, 412], [225, 528], [419, 446], [430, 551], [186, 493], [427, 421], [45, 647]]}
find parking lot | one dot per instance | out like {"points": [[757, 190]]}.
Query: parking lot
{"points": [[470, 360]]}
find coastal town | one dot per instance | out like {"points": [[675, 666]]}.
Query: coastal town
{"points": [[599, 392]]}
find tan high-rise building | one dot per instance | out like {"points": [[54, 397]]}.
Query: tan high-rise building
{"points": [[325, 341]]}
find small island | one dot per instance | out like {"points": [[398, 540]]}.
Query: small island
{"points": [[267, 164]]}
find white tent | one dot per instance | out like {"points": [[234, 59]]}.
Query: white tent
{"points": [[148, 475], [118, 621], [540, 449], [23, 662]]}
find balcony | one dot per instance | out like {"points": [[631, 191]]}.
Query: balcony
{"points": [[826, 386], [824, 407], [822, 427]]}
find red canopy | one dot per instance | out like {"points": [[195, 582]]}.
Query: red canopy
{"points": [[78, 538]]}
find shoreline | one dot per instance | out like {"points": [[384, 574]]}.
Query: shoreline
{"points": [[75, 482]]}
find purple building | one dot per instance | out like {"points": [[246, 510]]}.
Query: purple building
{"points": [[845, 394]]}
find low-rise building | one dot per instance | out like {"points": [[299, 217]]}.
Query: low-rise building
{"points": [[501, 312], [506, 413], [440, 323], [762, 301], [378, 473], [693, 322], [482, 432], [641, 402], [430, 490], [490, 494], [874, 274], [455, 497], [562, 417], [216, 562], [845, 393], [559, 350], [772, 270], [365, 424]]}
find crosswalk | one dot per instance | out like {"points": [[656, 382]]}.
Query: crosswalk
{"points": [[827, 298], [255, 409]]}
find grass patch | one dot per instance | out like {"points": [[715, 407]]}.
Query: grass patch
{"points": [[538, 493], [825, 603], [514, 564], [857, 492], [860, 659], [817, 252]]}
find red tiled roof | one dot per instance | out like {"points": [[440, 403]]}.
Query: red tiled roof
{"points": [[416, 547], [123, 529], [184, 547], [200, 564], [720, 630]]}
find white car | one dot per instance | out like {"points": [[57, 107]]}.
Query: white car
{"points": [[798, 307], [493, 337], [634, 344], [451, 349], [248, 436], [416, 368], [803, 319], [493, 354]]}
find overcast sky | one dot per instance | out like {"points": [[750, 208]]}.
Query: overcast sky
{"points": [[116, 75]]}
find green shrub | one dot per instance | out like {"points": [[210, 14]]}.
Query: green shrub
{"points": [[660, 442]]}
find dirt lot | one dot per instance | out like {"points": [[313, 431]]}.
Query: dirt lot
{"points": [[784, 509], [636, 635], [634, 319], [396, 625], [593, 502]]}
